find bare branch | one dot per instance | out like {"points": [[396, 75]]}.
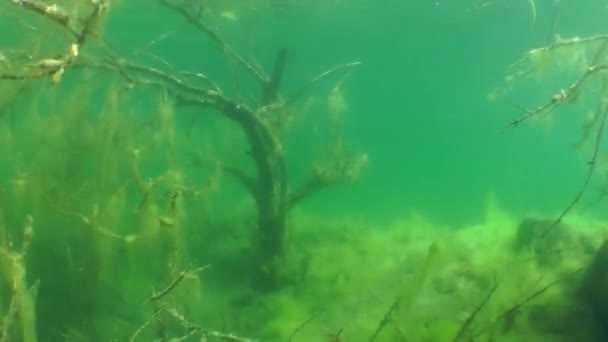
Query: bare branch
{"points": [[563, 96], [313, 82], [61, 16], [301, 326], [592, 164], [195, 20], [146, 324], [464, 330], [386, 320], [55, 66], [509, 316], [52, 12], [247, 181], [271, 91], [342, 169], [204, 78], [180, 277]]}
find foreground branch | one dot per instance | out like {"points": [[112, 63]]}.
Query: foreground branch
{"points": [[55, 66], [563, 96], [162, 312], [569, 95]]}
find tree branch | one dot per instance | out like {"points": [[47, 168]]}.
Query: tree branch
{"points": [[568, 95], [195, 20], [592, 164], [464, 333], [271, 91], [55, 66], [563, 96], [343, 169], [307, 86]]}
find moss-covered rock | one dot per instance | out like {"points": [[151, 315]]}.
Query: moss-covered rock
{"points": [[594, 291], [547, 248]]}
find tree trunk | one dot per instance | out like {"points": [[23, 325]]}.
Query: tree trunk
{"points": [[272, 224], [272, 211]]}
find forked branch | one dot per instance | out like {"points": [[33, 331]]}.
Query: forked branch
{"points": [[570, 94], [55, 66], [194, 17], [563, 96]]}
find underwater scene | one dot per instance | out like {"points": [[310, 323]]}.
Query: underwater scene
{"points": [[303, 170]]}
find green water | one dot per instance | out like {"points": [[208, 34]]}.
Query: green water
{"points": [[146, 193]]}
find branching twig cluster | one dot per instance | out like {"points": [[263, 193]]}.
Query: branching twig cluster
{"points": [[342, 168], [505, 321], [180, 277], [596, 124], [509, 316], [81, 29], [163, 312], [562, 97], [193, 12]]}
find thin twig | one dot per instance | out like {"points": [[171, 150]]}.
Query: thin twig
{"points": [[386, 319], [199, 75], [52, 12], [313, 82], [592, 164], [55, 66], [181, 276], [509, 316], [563, 96], [143, 326], [196, 21], [466, 325], [304, 324]]}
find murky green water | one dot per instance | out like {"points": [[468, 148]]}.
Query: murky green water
{"points": [[279, 170]]}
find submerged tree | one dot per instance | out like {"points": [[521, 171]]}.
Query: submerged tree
{"points": [[262, 121], [585, 60]]}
